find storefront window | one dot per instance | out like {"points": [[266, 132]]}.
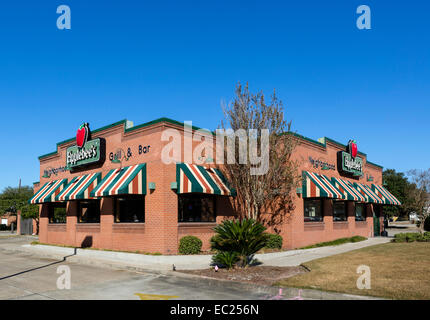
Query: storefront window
{"points": [[196, 208], [339, 211], [313, 210], [130, 209], [89, 211], [57, 212], [360, 212]]}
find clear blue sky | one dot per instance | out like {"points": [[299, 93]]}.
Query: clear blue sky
{"points": [[143, 60]]}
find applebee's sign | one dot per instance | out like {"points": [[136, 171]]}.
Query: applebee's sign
{"points": [[348, 162], [85, 151]]}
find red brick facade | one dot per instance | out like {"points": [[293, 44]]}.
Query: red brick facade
{"points": [[161, 231]]}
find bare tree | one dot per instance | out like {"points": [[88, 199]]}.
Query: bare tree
{"points": [[420, 194], [264, 197]]}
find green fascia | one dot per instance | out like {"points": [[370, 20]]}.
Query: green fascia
{"points": [[123, 122], [175, 122], [324, 145]]}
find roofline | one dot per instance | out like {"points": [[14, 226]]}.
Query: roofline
{"points": [[175, 122], [123, 122], [324, 145]]}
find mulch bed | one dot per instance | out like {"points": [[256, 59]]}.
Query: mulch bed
{"points": [[263, 275]]}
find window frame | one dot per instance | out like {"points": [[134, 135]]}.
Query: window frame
{"points": [[201, 195], [80, 202], [51, 208], [117, 215], [321, 205], [345, 206], [363, 205]]}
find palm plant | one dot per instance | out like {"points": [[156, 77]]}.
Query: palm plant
{"points": [[240, 238]]}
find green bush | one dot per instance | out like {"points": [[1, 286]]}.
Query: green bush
{"points": [[274, 241], [190, 245], [412, 237], [243, 237], [357, 239], [227, 259]]}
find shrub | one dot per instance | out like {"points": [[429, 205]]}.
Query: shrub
{"points": [[227, 259], [243, 237], [357, 239], [412, 237], [274, 241], [190, 245]]}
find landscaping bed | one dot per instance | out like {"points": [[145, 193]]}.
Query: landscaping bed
{"points": [[262, 275]]}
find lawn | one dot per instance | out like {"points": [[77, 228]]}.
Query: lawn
{"points": [[398, 271]]}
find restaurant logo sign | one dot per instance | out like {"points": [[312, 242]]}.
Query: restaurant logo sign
{"points": [[348, 162], [86, 151]]}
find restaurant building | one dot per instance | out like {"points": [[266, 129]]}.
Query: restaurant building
{"points": [[110, 188]]}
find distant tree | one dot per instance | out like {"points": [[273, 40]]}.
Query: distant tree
{"points": [[264, 197], [420, 194], [397, 183], [16, 199]]}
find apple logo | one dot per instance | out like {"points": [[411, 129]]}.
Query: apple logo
{"points": [[82, 135], [353, 150]]}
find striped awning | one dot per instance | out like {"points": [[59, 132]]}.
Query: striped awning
{"points": [[319, 186], [195, 178], [348, 190], [367, 192], [385, 195], [80, 187], [127, 180], [48, 192]]}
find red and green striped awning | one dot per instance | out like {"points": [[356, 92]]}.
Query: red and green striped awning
{"points": [[348, 190], [48, 192], [385, 195], [194, 178], [367, 192], [319, 186], [127, 180], [80, 187]]}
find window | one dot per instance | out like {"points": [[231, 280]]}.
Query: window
{"points": [[196, 208], [57, 212], [360, 212], [89, 211], [313, 210], [130, 208], [339, 211]]}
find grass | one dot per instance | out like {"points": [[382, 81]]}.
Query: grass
{"points": [[65, 246], [336, 242], [398, 271]]}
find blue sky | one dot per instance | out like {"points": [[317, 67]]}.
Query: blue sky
{"points": [[141, 60]]}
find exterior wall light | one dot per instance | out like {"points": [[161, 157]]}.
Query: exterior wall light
{"points": [[151, 186]]}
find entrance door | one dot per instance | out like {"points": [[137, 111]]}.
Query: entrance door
{"points": [[376, 222]]}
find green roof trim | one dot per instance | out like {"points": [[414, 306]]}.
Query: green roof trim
{"points": [[374, 164], [124, 122], [175, 122], [37, 182], [324, 145]]}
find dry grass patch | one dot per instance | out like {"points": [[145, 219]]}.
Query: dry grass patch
{"points": [[398, 271]]}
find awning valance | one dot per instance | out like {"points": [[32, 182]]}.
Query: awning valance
{"points": [[319, 186], [367, 192], [127, 180], [348, 190], [48, 192], [385, 195], [80, 187], [195, 178]]}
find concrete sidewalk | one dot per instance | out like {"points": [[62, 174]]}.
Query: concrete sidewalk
{"points": [[134, 261]]}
